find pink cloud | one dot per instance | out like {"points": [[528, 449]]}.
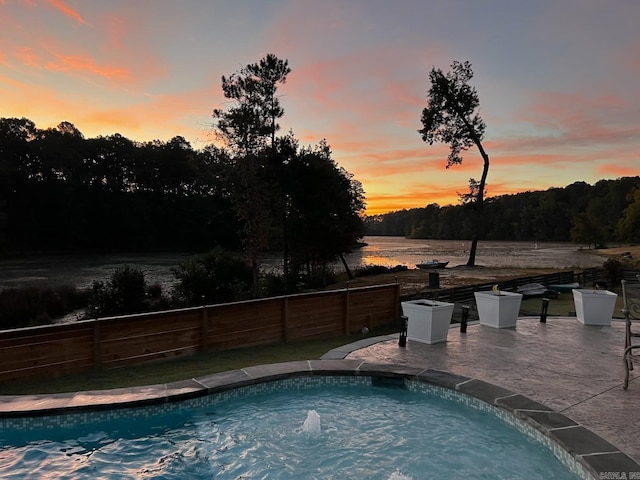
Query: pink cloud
{"points": [[66, 10], [580, 120], [28, 57], [615, 170], [119, 47]]}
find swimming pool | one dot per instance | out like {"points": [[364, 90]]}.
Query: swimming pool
{"points": [[305, 426]]}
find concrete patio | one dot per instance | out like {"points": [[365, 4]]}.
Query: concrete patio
{"points": [[574, 369]]}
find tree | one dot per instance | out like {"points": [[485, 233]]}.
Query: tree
{"points": [[252, 119], [451, 117], [628, 227], [586, 230], [326, 204], [246, 128]]}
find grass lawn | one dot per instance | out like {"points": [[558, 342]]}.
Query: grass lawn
{"points": [[197, 365]]}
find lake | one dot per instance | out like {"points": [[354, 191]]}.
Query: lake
{"points": [[82, 270]]}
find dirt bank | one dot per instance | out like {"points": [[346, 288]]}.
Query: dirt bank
{"points": [[414, 280]]}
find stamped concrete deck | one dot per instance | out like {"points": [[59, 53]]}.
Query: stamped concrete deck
{"points": [[574, 369]]}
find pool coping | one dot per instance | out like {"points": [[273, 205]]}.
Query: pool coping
{"points": [[595, 454]]}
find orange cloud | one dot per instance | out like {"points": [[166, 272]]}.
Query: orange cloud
{"points": [[138, 118], [159, 117], [70, 64], [68, 11], [83, 64]]}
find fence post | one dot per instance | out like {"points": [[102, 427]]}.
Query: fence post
{"points": [[204, 328], [97, 348], [286, 318], [347, 301], [396, 299]]}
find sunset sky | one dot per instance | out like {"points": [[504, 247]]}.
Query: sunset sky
{"points": [[558, 81]]}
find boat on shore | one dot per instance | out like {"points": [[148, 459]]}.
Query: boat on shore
{"points": [[564, 287], [432, 264], [532, 290]]}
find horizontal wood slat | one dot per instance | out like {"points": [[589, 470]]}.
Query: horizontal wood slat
{"points": [[131, 340]]}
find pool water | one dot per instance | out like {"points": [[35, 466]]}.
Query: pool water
{"points": [[325, 432]]}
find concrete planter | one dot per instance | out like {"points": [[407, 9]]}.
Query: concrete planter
{"points": [[594, 307], [498, 309], [429, 320]]}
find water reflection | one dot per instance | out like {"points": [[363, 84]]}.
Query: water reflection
{"points": [[82, 270], [391, 251]]}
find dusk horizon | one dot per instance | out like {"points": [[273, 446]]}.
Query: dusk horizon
{"points": [[556, 82]]}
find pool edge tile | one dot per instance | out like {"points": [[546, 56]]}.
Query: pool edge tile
{"points": [[277, 370], [223, 380], [370, 368], [29, 405], [485, 391], [520, 402], [337, 366], [442, 378], [581, 441], [612, 465], [118, 397], [546, 420]]}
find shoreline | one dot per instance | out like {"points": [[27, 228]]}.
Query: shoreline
{"points": [[413, 281]]}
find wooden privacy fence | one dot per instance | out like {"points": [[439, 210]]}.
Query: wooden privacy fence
{"points": [[124, 341]]}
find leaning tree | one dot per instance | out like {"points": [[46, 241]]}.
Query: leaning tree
{"points": [[452, 117]]}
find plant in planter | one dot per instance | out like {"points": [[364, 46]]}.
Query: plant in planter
{"points": [[429, 320], [498, 309]]}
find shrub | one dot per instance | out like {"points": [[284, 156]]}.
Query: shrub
{"points": [[379, 269], [217, 276], [32, 306], [123, 293], [319, 278], [612, 271]]}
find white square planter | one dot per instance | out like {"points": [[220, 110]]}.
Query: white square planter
{"points": [[594, 307], [429, 320], [498, 309]]}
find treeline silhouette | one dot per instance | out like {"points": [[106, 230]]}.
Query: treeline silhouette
{"points": [[60, 191], [578, 212]]}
